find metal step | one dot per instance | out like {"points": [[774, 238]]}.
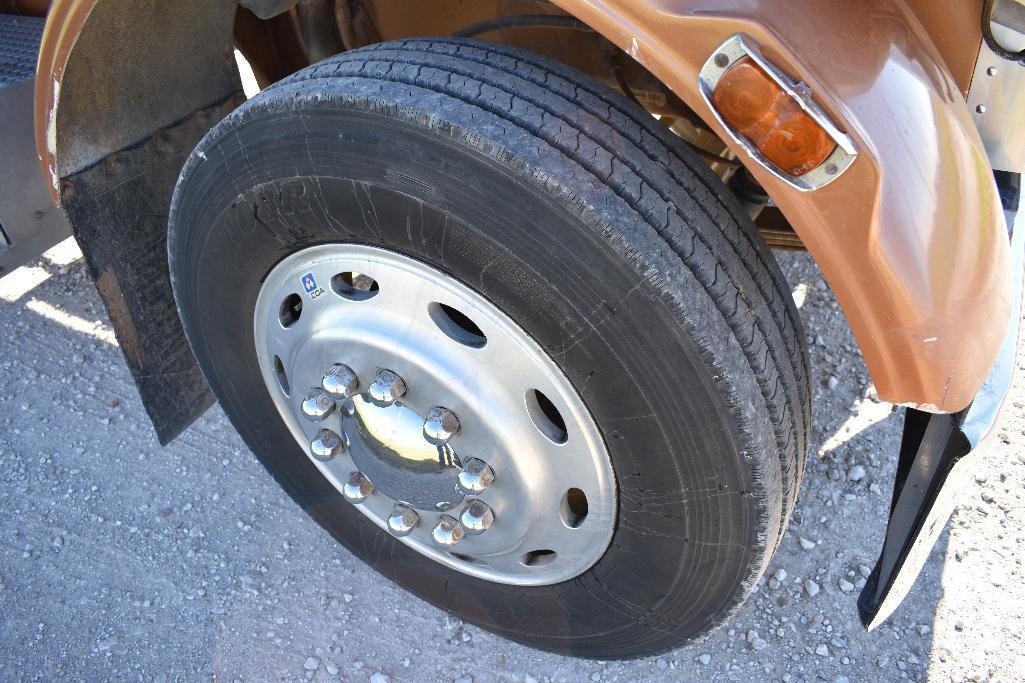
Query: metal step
{"points": [[19, 45]]}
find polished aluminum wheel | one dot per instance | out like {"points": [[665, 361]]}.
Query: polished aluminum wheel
{"points": [[436, 414]]}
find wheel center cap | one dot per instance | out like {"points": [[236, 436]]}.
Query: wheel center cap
{"points": [[389, 446]]}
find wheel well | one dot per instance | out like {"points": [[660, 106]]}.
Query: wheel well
{"points": [[177, 58], [113, 146], [315, 29]]}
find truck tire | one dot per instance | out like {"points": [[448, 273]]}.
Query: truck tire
{"points": [[464, 245]]}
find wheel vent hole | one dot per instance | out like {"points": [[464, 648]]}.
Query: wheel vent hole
{"points": [[573, 508], [546, 417], [457, 325], [291, 309], [538, 558], [279, 370], [355, 286]]}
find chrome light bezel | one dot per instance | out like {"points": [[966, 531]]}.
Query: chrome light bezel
{"points": [[729, 53]]}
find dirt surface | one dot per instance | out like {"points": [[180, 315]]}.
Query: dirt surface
{"points": [[121, 559]]}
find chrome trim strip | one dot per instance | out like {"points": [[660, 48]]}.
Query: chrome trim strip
{"points": [[985, 410]]}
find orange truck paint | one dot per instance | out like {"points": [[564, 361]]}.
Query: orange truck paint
{"points": [[911, 237], [63, 24]]}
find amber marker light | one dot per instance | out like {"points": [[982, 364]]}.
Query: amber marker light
{"points": [[772, 117], [751, 103]]}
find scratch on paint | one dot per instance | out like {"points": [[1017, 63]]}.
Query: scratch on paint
{"points": [[51, 136]]}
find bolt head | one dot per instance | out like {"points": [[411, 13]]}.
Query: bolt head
{"points": [[387, 387], [981, 108], [403, 520], [357, 489], [992, 71], [475, 476], [327, 445], [317, 405], [477, 517], [340, 381], [721, 60], [448, 532], [441, 425]]}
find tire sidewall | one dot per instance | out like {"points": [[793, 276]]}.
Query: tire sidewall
{"points": [[579, 289]]}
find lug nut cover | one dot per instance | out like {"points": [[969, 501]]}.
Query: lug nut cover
{"points": [[340, 381], [387, 387], [448, 532], [327, 445], [317, 405], [358, 488], [403, 520], [477, 517], [441, 424], [475, 476]]}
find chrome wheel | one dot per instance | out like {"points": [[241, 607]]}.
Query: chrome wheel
{"points": [[434, 412]]}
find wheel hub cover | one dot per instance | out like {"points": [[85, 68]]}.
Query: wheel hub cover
{"points": [[388, 445]]}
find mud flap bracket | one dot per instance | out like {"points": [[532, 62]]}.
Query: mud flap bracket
{"points": [[938, 452]]}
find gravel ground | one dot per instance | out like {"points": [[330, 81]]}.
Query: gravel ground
{"points": [[121, 559]]}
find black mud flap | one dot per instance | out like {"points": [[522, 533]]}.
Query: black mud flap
{"points": [[938, 453], [930, 470], [118, 210]]}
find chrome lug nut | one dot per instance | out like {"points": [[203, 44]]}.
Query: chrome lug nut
{"points": [[403, 520], [387, 387], [327, 445], [317, 405], [477, 517], [441, 424], [348, 408], [475, 476], [340, 381], [448, 532], [357, 489]]}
